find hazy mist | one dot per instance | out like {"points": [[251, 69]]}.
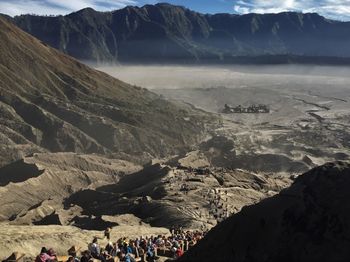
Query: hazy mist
{"points": [[169, 77]]}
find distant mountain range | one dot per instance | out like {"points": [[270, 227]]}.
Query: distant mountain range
{"points": [[168, 33]]}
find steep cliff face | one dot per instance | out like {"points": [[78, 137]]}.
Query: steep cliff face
{"points": [[50, 101], [307, 222], [164, 32]]}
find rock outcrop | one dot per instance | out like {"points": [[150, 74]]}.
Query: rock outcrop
{"points": [[34, 188], [307, 222], [166, 195]]}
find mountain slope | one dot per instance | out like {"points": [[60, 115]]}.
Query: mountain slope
{"points": [[49, 101], [307, 222], [38, 184], [164, 32]]}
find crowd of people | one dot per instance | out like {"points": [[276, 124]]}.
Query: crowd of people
{"points": [[129, 250]]}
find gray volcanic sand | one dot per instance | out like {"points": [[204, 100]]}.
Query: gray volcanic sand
{"points": [[308, 125], [310, 105], [48, 199]]}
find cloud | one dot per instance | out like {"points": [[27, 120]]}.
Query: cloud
{"points": [[57, 7], [334, 9]]}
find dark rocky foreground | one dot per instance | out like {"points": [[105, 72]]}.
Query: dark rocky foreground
{"points": [[307, 222]]}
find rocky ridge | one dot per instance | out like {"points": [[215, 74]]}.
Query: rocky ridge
{"points": [[306, 222], [168, 33]]}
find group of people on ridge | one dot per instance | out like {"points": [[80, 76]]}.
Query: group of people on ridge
{"points": [[130, 250]]}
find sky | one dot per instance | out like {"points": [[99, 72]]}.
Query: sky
{"points": [[334, 9]]}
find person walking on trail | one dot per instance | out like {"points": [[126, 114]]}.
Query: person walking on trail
{"points": [[107, 233]]}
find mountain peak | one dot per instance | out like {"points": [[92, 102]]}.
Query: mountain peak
{"points": [[85, 11], [168, 5]]}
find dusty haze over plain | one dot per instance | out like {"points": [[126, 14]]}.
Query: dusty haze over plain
{"points": [[169, 76], [309, 104]]}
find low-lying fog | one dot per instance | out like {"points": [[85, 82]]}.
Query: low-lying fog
{"points": [[309, 117], [163, 77], [210, 87]]}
